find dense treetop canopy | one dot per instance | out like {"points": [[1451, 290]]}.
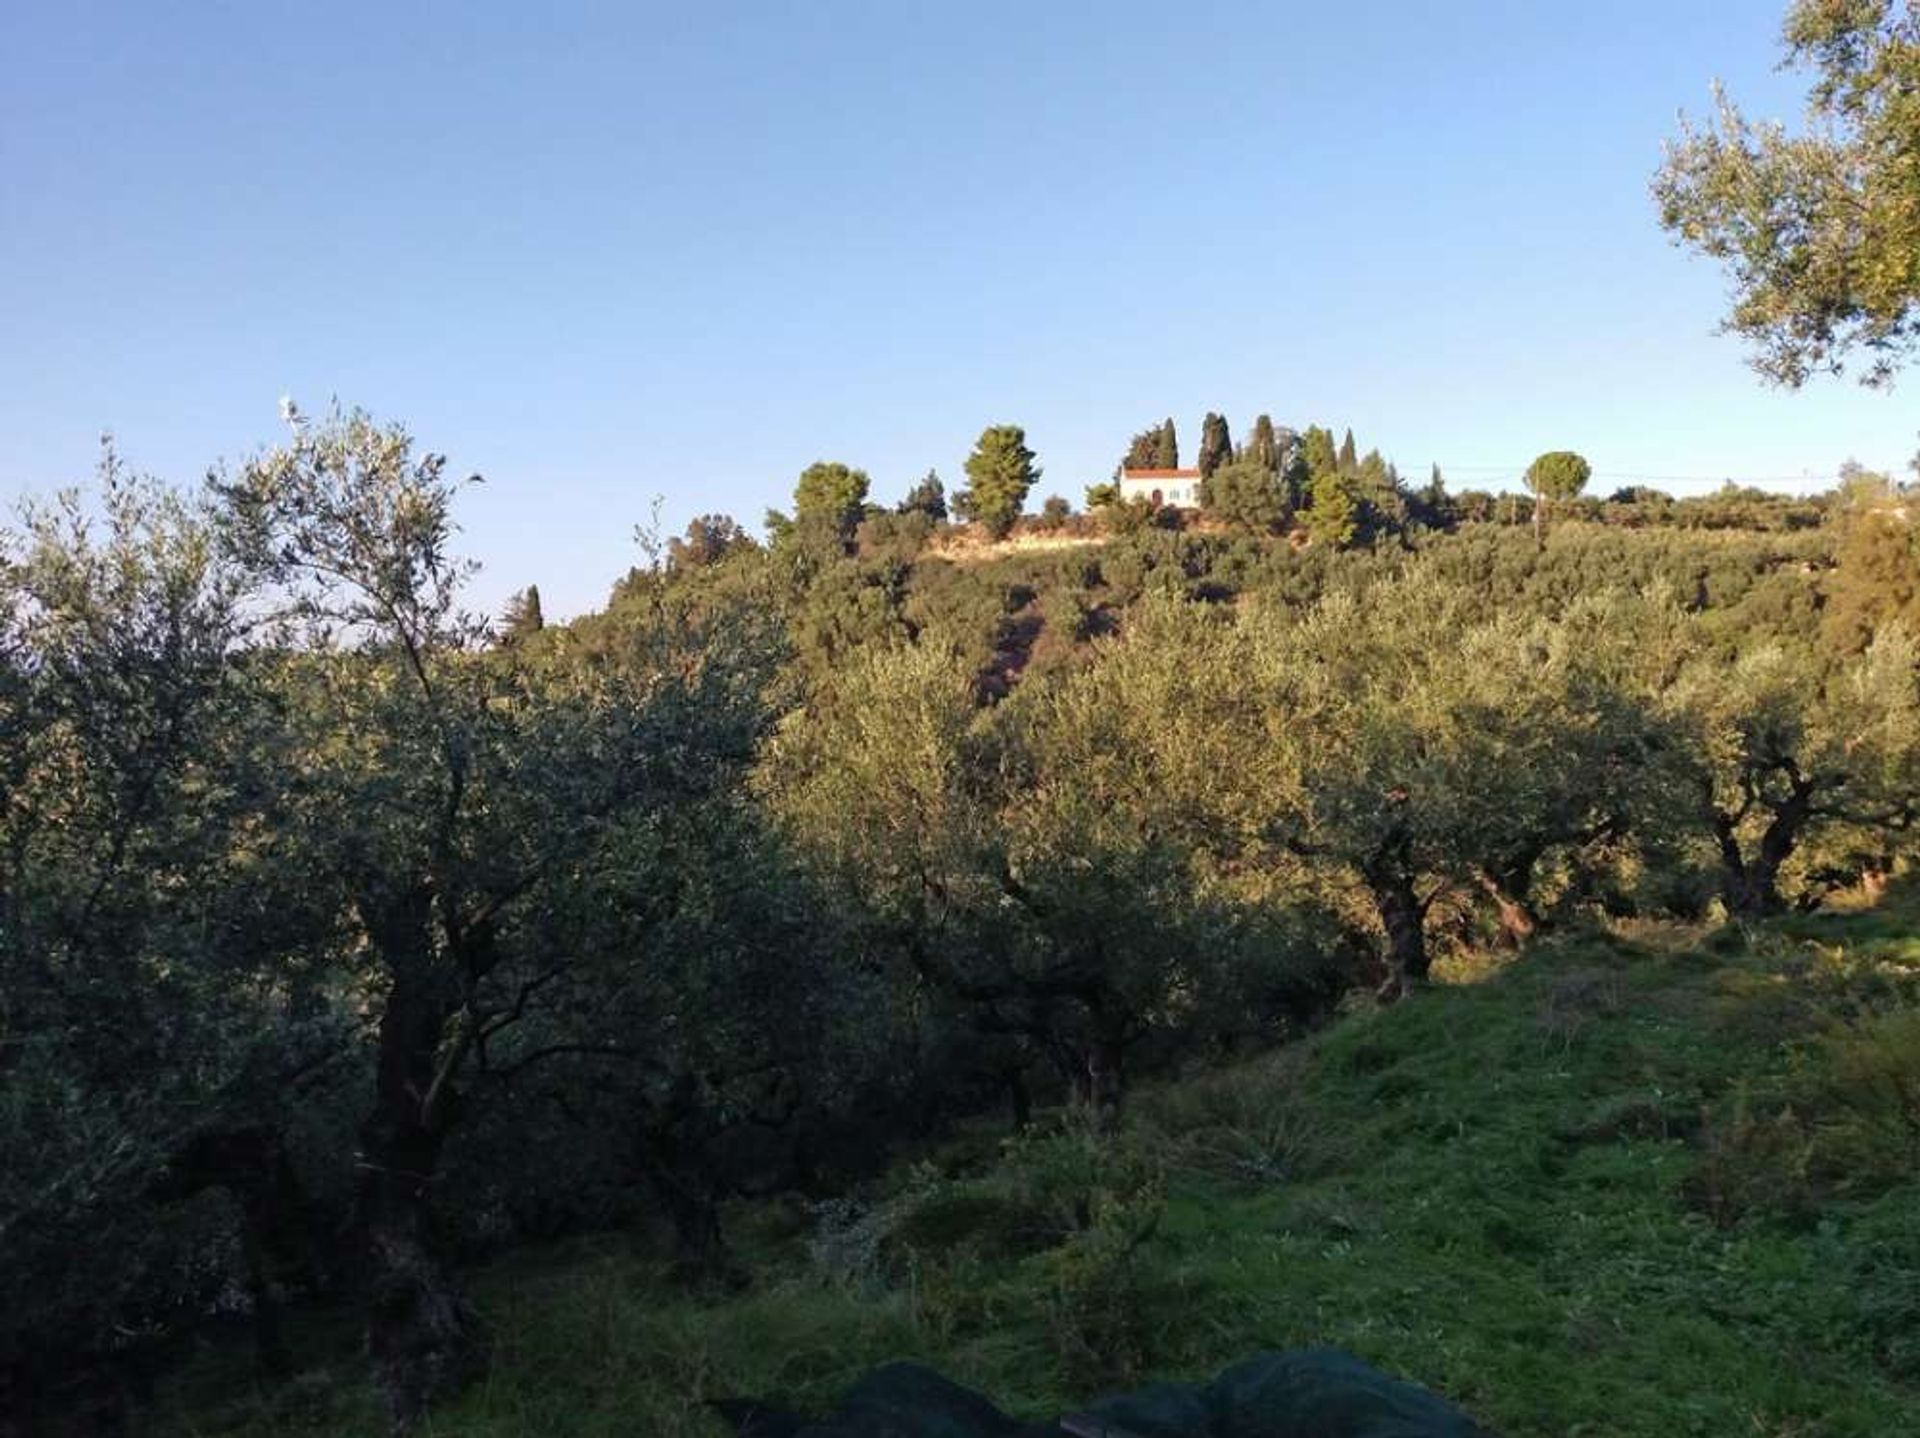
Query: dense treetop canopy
{"points": [[1559, 475]]}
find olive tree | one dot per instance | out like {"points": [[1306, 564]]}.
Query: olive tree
{"points": [[1393, 745], [1788, 750], [1413, 748], [151, 1042], [1817, 229], [988, 861], [448, 796], [1248, 494]]}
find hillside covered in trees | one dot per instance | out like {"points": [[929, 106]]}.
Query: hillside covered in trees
{"points": [[1073, 945], [352, 938]]}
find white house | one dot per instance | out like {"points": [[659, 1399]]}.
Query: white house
{"points": [[1177, 487]]}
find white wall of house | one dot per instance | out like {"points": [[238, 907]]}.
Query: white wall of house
{"points": [[1181, 491]]}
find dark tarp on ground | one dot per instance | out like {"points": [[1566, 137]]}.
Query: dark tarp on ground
{"points": [[1317, 1393]]}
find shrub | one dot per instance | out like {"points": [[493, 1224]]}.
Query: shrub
{"points": [[1108, 1193], [1053, 514], [1096, 1306], [1246, 1126], [1752, 1161], [1873, 1079], [1883, 1276]]}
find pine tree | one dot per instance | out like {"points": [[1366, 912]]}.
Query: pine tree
{"points": [[1332, 514], [1317, 452], [1000, 471], [1557, 475], [1377, 486], [830, 501], [1349, 457], [928, 497], [1216, 444], [522, 617], [1433, 506], [710, 538]]}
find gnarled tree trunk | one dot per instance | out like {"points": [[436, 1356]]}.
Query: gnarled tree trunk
{"points": [[279, 1236], [425, 1340], [423, 1337], [1751, 886], [1390, 879], [1518, 922], [672, 1152]]}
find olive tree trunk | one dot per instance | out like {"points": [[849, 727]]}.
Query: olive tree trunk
{"points": [[1403, 916], [1750, 884], [423, 1337]]}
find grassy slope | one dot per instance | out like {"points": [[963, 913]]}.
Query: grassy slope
{"points": [[1615, 1188]]}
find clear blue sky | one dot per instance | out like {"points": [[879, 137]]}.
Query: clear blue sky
{"points": [[602, 253]]}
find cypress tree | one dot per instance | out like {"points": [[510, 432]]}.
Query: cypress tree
{"points": [[1263, 447], [1349, 456], [1167, 450], [1216, 444]]}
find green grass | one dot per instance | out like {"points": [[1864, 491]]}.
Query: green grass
{"points": [[1655, 1186]]}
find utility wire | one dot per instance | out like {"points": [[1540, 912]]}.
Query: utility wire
{"points": [[1515, 474], [1806, 478]]}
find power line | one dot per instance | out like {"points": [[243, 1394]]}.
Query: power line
{"points": [[1622, 476], [1651, 478]]}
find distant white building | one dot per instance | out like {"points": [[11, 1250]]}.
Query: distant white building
{"points": [[1177, 487]]}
